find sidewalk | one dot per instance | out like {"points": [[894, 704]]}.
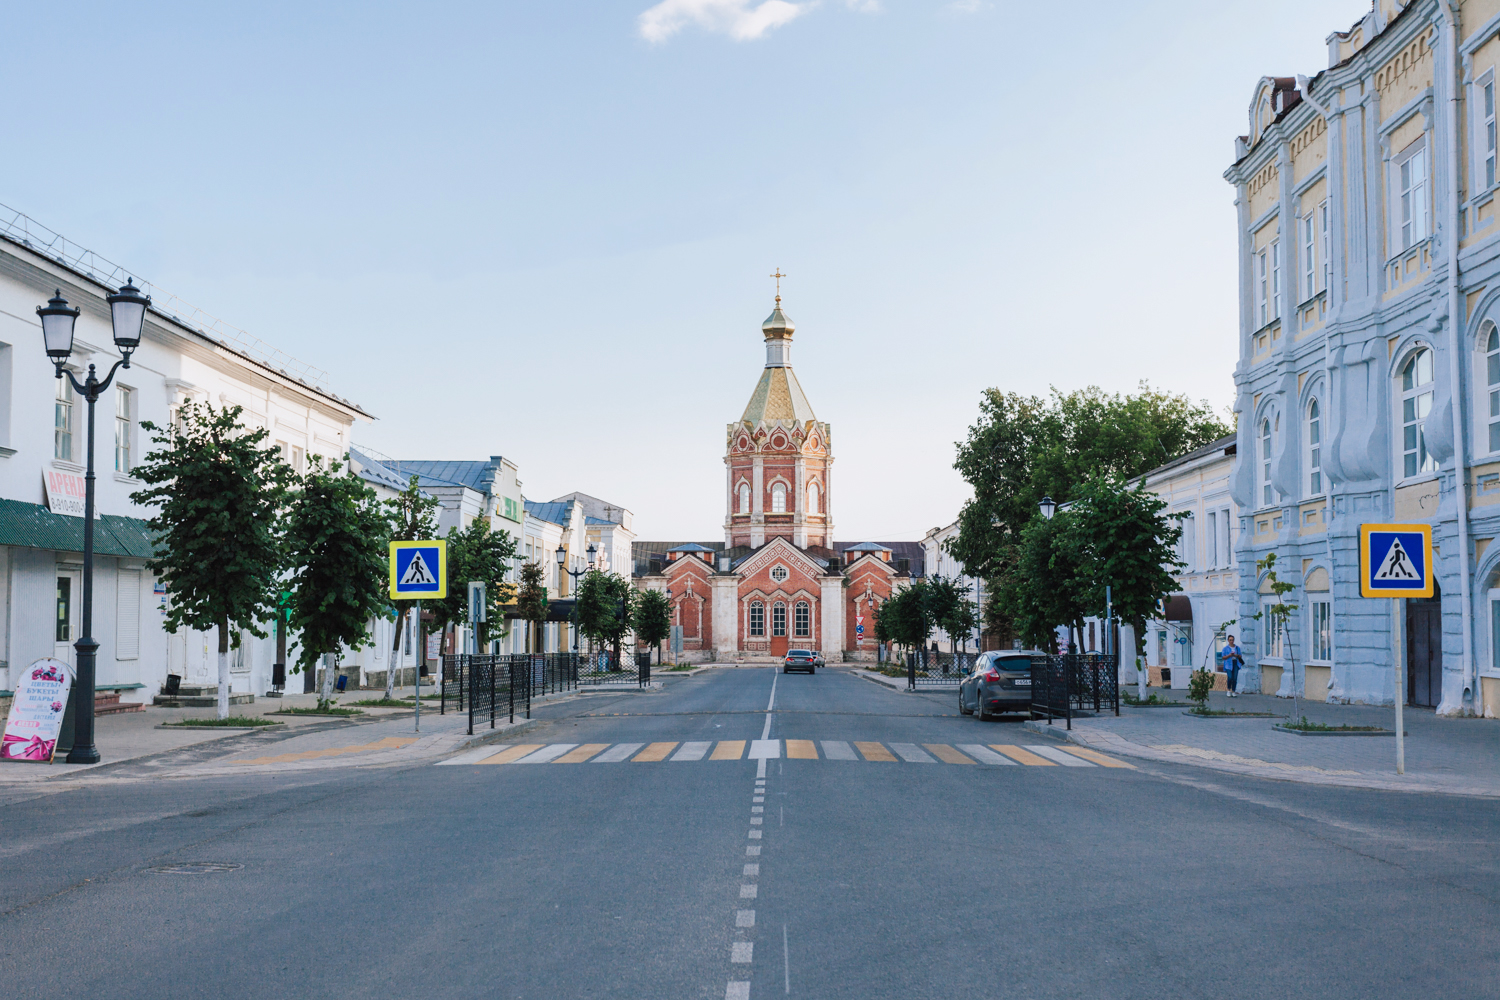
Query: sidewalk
{"points": [[132, 745], [1459, 756]]}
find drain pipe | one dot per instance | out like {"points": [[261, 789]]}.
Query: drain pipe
{"points": [[1456, 326]]}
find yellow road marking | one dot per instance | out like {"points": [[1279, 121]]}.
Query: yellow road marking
{"points": [[511, 753], [1023, 756], [1096, 757], [729, 750], [389, 743], [582, 754], [656, 751], [801, 749], [947, 754], [874, 751]]}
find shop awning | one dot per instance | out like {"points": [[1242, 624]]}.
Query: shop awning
{"points": [[1179, 609], [32, 526]]}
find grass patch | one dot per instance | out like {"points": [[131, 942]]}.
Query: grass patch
{"points": [[382, 703], [329, 710], [1217, 712], [678, 666], [1304, 726], [1153, 701], [408, 699], [236, 721]]}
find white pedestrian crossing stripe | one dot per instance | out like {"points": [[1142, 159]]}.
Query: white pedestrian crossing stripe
{"points": [[994, 754]]}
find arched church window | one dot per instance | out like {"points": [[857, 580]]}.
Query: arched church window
{"points": [[744, 498], [778, 501], [1492, 371], [778, 619], [757, 618], [1416, 403], [812, 498], [802, 619]]}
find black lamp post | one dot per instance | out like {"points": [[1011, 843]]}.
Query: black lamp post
{"points": [[1048, 507], [127, 313], [562, 558]]}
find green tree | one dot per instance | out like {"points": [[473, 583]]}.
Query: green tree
{"points": [[904, 618], [413, 518], [1043, 590], [479, 553], [949, 607], [1023, 448], [337, 536], [531, 602], [605, 606], [653, 619], [1281, 615], [219, 494]]}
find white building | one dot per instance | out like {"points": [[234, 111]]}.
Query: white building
{"points": [[184, 356], [938, 561]]}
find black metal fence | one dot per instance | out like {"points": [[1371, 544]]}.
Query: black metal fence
{"points": [[927, 668], [491, 687], [603, 668], [1063, 686]]}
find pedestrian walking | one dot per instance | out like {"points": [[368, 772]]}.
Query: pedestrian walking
{"points": [[1231, 659]]}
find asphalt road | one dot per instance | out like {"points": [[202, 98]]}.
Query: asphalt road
{"points": [[870, 879]]}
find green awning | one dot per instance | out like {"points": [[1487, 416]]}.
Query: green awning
{"points": [[32, 526]]}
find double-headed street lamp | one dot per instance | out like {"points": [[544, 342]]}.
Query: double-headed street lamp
{"points": [[562, 559], [127, 314]]}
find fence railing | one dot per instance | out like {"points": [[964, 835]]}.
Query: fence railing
{"points": [[490, 687], [928, 669], [1062, 686], [603, 668]]}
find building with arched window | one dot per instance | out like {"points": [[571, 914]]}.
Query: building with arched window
{"points": [[777, 580], [1368, 383]]}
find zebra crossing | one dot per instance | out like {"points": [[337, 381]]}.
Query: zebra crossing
{"points": [[694, 751]]}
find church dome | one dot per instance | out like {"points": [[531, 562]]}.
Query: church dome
{"points": [[778, 324]]}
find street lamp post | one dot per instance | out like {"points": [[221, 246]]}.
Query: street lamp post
{"points": [[127, 313], [562, 558]]}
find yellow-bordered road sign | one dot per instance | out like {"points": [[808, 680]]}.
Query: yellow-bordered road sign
{"points": [[419, 570], [1395, 560]]}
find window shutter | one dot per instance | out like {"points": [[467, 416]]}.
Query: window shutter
{"points": [[128, 614]]}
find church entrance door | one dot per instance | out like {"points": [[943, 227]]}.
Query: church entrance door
{"points": [[778, 628]]}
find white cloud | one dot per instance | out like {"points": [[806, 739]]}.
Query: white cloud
{"points": [[742, 20], [967, 6]]}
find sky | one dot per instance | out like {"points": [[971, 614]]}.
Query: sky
{"points": [[546, 230]]}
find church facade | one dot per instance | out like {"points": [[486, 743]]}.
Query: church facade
{"points": [[778, 580]]}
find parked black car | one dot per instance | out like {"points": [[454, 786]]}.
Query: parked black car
{"points": [[999, 682]]}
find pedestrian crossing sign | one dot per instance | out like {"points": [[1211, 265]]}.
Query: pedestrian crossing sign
{"points": [[419, 570], [1395, 560]]}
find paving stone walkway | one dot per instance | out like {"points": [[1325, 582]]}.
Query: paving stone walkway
{"points": [[1460, 756]]}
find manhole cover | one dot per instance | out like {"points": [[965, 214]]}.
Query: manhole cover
{"points": [[195, 868]]}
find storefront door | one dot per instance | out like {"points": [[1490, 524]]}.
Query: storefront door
{"points": [[69, 596], [1424, 652]]}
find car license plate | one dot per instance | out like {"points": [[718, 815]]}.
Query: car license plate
{"points": [[1022, 682]]}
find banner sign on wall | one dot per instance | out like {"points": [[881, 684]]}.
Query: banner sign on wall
{"points": [[36, 714], [65, 492]]}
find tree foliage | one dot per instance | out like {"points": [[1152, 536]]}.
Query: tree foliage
{"points": [[950, 608], [218, 493], [337, 537], [531, 601], [1116, 535], [412, 515], [481, 553], [600, 597], [653, 618], [905, 618]]}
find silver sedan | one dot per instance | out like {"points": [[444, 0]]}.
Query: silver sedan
{"points": [[999, 682]]}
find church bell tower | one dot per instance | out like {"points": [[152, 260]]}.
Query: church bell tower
{"points": [[778, 455]]}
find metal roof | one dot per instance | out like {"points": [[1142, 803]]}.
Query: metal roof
{"points": [[477, 476], [557, 513], [32, 526]]}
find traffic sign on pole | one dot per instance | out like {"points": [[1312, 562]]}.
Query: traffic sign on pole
{"points": [[419, 569], [1395, 560]]}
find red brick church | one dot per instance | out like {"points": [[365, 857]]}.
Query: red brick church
{"points": [[778, 580]]}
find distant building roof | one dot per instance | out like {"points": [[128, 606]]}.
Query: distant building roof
{"points": [[692, 547], [372, 470], [912, 552], [596, 520], [477, 476], [553, 511], [1224, 445]]}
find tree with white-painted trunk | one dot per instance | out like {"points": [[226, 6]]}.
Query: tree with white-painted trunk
{"points": [[219, 494]]}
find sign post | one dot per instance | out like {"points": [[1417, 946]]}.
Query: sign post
{"points": [[419, 569], [477, 612], [1395, 561]]}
